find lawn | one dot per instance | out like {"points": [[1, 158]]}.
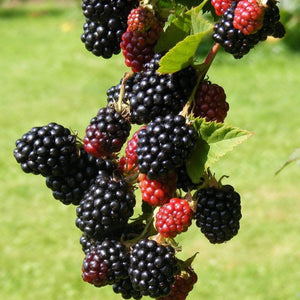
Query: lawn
{"points": [[47, 75]]}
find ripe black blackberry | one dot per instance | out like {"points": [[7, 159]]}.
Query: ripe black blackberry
{"points": [[152, 268], [102, 10], [106, 133], [271, 18], [106, 207], [164, 145], [218, 213], [105, 263], [106, 21], [69, 189], [86, 242], [102, 39], [155, 95], [125, 288], [47, 150]]}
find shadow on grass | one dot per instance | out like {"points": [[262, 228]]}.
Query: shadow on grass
{"points": [[10, 13]]}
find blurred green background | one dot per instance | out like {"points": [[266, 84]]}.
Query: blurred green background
{"points": [[47, 75]]}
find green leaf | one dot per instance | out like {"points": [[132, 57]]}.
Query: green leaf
{"points": [[220, 137], [181, 55], [294, 157], [199, 24], [196, 163], [189, 3], [177, 30]]}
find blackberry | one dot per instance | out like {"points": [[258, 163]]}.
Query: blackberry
{"points": [[106, 207], [218, 213], [102, 10], [106, 133], [271, 18], [106, 21], [125, 288], [69, 189], [155, 95], [279, 30], [164, 145], [210, 102], [152, 268], [47, 150], [105, 263], [173, 218], [138, 47]]}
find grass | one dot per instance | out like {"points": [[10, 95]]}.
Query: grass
{"points": [[47, 75]]}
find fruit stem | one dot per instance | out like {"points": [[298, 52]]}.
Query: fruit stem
{"points": [[203, 69], [126, 76]]}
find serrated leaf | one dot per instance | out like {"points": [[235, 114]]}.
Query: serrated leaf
{"points": [[199, 24], [176, 31], [294, 157], [220, 137], [196, 163], [189, 3], [181, 55]]}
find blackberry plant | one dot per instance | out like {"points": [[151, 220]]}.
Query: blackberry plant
{"points": [[137, 189]]}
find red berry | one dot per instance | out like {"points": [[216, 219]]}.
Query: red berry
{"points": [[210, 102], [248, 16], [131, 147], [221, 6], [127, 166], [138, 47], [140, 19], [173, 217], [183, 284], [157, 192]]}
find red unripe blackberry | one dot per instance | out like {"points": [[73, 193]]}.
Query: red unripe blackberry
{"points": [[138, 47], [140, 19], [183, 284], [218, 213], [173, 218], [152, 268], [210, 102], [248, 16], [106, 207], [106, 133], [130, 150], [221, 6], [105, 263], [157, 192], [154, 95], [164, 145], [47, 150]]}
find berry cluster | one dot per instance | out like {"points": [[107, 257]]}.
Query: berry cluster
{"points": [[244, 24], [129, 242]]}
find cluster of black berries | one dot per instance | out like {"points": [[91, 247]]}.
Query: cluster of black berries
{"points": [[106, 21], [235, 42], [134, 256]]}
